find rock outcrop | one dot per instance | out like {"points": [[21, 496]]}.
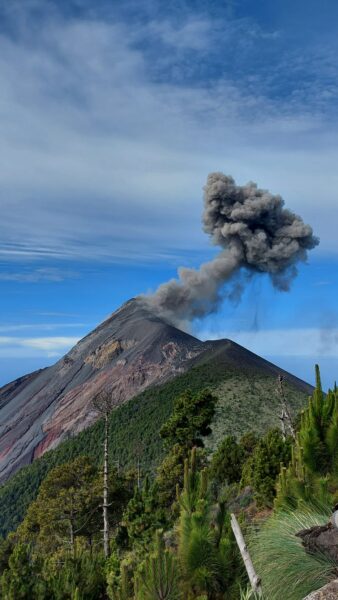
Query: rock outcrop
{"points": [[328, 592], [322, 540]]}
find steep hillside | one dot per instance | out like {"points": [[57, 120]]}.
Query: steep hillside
{"points": [[128, 353], [244, 383]]}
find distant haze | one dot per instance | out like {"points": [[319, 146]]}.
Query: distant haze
{"points": [[256, 234]]}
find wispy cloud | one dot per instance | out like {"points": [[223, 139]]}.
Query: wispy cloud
{"points": [[49, 343], [194, 34], [11, 347], [42, 326], [321, 283], [36, 276], [106, 142]]}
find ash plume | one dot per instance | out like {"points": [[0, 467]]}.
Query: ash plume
{"points": [[256, 234]]}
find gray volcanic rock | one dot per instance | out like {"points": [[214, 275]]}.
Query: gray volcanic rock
{"points": [[328, 592], [130, 351], [321, 540]]}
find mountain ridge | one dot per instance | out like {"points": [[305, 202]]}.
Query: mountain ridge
{"points": [[129, 352]]}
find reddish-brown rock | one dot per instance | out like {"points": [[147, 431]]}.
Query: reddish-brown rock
{"points": [[130, 351]]}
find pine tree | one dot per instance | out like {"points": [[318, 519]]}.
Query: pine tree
{"points": [[261, 469], [313, 467], [190, 420], [185, 429], [123, 590], [141, 516], [66, 508], [158, 577], [202, 553], [19, 580], [227, 461]]}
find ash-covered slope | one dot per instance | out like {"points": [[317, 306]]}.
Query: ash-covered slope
{"points": [[129, 352]]}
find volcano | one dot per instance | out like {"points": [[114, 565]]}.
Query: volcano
{"points": [[129, 352]]}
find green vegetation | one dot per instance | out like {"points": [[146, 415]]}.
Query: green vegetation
{"points": [[306, 491], [59, 543], [312, 472], [230, 456], [246, 398], [170, 533], [158, 577], [263, 466], [286, 570], [196, 558], [190, 419]]}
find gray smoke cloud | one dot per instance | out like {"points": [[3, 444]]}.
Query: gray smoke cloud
{"points": [[256, 234]]}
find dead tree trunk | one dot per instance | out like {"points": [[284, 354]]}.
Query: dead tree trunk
{"points": [[250, 569], [286, 415], [104, 403], [105, 489], [282, 419]]}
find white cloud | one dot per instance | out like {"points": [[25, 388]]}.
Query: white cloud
{"points": [[15, 347], [41, 326], [100, 159], [194, 34], [37, 275], [284, 342], [49, 343]]}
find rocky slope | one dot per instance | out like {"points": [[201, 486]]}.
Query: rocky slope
{"points": [[131, 351]]}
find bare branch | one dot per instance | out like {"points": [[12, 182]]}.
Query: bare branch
{"points": [[104, 402], [286, 415]]}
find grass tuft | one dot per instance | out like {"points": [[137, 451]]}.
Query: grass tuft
{"points": [[287, 571]]}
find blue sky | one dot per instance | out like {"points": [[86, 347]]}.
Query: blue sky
{"points": [[112, 115]]}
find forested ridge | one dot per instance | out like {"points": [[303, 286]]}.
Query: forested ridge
{"points": [[169, 531], [244, 396]]}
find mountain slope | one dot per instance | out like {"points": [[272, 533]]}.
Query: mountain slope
{"points": [[244, 384], [128, 353]]}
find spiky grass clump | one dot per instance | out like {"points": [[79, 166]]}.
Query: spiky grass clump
{"points": [[249, 594], [287, 571]]}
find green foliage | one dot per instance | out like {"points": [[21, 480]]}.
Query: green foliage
{"points": [[67, 506], [248, 442], [227, 461], [66, 576], [170, 475], [67, 514], [312, 472], [262, 468], [158, 577], [59, 542], [286, 570], [59, 577], [190, 419], [120, 588], [205, 554], [136, 425], [185, 428], [141, 516], [6, 549], [18, 582], [249, 594]]}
